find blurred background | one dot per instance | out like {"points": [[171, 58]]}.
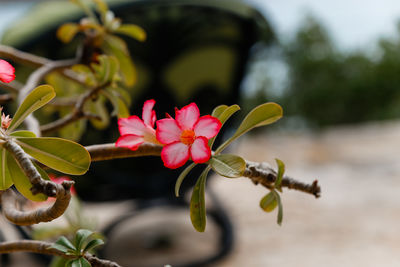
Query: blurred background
{"points": [[335, 69]]}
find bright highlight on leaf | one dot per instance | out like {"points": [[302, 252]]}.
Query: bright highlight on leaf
{"points": [[228, 165], [59, 154]]}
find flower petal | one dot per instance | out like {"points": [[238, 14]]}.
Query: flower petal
{"points": [[187, 116], [147, 114], [200, 151], [130, 141], [175, 155], [207, 126], [6, 71], [168, 131], [132, 125]]}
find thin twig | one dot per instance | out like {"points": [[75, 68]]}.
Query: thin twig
{"points": [[263, 173], [42, 247], [76, 114], [259, 173], [22, 57], [34, 79], [37, 61]]}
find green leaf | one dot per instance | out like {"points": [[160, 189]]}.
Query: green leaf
{"points": [[120, 108], [63, 241], [67, 32], [218, 110], [281, 171], [40, 96], [59, 248], [99, 108], [223, 114], [81, 238], [123, 94], [23, 133], [269, 202], [58, 262], [86, 73], [182, 177], [74, 130], [198, 204], [22, 182], [101, 7], [280, 208], [261, 115], [106, 69], [133, 31], [81, 262], [127, 68], [228, 165], [93, 244], [59, 154], [5, 176]]}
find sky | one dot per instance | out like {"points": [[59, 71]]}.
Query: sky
{"points": [[353, 24]]}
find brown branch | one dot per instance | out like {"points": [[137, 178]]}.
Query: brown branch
{"points": [[110, 151], [259, 173], [39, 185], [76, 114], [263, 173], [9, 206], [22, 57], [37, 61], [5, 98], [43, 247]]}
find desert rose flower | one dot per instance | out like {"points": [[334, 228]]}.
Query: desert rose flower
{"points": [[186, 136], [135, 131], [6, 72]]}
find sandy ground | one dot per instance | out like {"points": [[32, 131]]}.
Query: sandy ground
{"points": [[354, 223]]}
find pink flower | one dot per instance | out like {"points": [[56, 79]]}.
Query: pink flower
{"points": [[186, 136], [135, 131], [6, 72]]}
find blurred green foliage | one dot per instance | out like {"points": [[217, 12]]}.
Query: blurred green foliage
{"points": [[327, 86]]}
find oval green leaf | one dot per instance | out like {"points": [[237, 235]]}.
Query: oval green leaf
{"points": [[218, 110], [279, 176], [182, 177], [5, 176], [67, 32], [133, 31], [280, 208], [198, 203], [127, 68], [40, 96], [59, 154], [99, 108], [223, 117], [22, 182], [120, 108], [261, 115], [228, 165], [268, 203], [22, 133]]}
